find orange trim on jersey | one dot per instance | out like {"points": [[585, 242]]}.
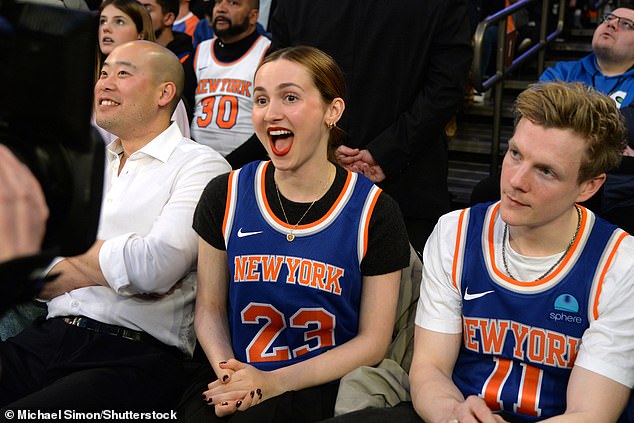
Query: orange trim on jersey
{"points": [[184, 58], [219, 63], [366, 229], [490, 232], [308, 225], [595, 306], [456, 255], [346, 185], [265, 200], [190, 25], [510, 24], [228, 202], [582, 227], [555, 273]]}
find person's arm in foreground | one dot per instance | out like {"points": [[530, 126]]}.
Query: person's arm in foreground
{"points": [[438, 335], [436, 398], [23, 216], [599, 385], [211, 319], [23, 209], [592, 398]]}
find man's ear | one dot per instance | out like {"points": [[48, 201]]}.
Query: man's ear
{"points": [[254, 14], [168, 19], [168, 91], [590, 187]]}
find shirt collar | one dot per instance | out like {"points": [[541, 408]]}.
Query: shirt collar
{"points": [[159, 148]]}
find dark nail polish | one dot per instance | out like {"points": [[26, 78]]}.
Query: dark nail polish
{"points": [[225, 403], [238, 404], [223, 362], [259, 392], [225, 377], [209, 400], [204, 397], [252, 393]]}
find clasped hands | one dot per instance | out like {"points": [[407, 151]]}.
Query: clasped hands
{"points": [[360, 161], [239, 386]]}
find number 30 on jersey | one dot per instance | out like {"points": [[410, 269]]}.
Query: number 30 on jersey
{"points": [[226, 111]]}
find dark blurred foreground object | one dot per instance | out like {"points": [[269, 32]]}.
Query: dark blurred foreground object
{"points": [[46, 65]]}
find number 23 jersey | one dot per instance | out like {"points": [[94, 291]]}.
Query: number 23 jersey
{"points": [[292, 300]]}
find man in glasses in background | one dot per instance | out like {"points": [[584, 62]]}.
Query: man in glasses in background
{"points": [[610, 70], [609, 67]]}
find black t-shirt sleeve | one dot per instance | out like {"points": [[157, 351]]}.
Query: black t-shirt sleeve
{"points": [[388, 244], [248, 151], [210, 212]]}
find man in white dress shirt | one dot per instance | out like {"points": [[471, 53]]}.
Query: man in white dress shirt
{"points": [[119, 323]]}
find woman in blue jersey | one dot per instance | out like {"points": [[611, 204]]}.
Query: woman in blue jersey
{"points": [[299, 259]]}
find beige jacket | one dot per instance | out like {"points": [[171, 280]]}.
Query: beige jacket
{"points": [[387, 384]]}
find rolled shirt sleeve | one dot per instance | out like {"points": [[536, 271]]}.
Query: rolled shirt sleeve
{"points": [[158, 205]]}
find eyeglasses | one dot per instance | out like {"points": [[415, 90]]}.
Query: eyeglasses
{"points": [[623, 23]]}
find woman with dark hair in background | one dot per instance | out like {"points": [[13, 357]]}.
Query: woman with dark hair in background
{"points": [[121, 21]]}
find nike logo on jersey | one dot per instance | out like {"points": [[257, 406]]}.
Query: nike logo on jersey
{"points": [[469, 297], [243, 234]]}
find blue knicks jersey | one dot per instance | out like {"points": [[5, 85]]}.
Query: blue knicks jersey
{"points": [[289, 301], [520, 339]]}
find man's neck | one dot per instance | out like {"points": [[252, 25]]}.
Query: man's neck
{"points": [[182, 11], [613, 69], [234, 39], [166, 37], [545, 240], [229, 52], [135, 140]]}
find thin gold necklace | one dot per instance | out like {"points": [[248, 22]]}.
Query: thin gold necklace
{"points": [[572, 241], [290, 236]]}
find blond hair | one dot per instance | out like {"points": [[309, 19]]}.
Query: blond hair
{"points": [[585, 111]]}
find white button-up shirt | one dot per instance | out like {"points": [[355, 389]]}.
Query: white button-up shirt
{"points": [[150, 248]]}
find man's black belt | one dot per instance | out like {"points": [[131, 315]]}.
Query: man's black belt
{"points": [[113, 330]]}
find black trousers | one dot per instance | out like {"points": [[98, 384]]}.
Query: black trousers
{"points": [[400, 413], [52, 365], [308, 405]]}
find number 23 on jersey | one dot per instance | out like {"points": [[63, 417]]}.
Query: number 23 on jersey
{"points": [[319, 332]]}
